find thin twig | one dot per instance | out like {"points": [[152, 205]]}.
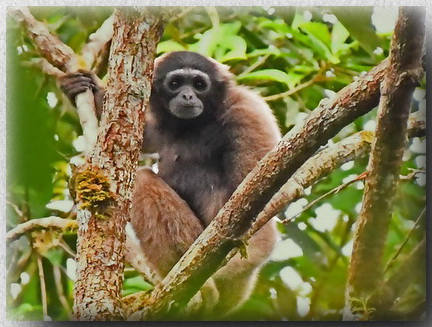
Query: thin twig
{"points": [[67, 249], [60, 292], [290, 92], [256, 64], [392, 260], [318, 77], [412, 174], [414, 266], [333, 191], [16, 209], [43, 287]]}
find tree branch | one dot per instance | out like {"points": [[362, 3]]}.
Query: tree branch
{"points": [[320, 165], [98, 40], [48, 222], [405, 69], [48, 45], [210, 249]]}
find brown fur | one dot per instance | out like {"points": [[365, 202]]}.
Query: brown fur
{"points": [[163, 222]]}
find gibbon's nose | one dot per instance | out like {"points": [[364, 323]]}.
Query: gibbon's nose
{"points": [[187, 95]]}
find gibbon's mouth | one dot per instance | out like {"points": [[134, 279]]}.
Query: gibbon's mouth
{"points": [[187, 111]]}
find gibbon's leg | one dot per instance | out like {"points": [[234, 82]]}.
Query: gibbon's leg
{"points": [[236, 280], [162, 221]]}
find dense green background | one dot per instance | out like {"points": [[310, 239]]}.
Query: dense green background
{"points": [[273, 50]]}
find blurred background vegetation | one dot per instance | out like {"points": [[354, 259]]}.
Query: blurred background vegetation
{"points": [[293, 57]]}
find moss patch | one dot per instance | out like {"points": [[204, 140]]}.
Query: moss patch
{"points": [[91, 188]]}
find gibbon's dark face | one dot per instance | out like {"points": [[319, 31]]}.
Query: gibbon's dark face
{"points": [[186, 86]]}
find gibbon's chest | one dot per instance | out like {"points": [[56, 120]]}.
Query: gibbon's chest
{"points": [[202, 150], [194, 166], [186, 160]]}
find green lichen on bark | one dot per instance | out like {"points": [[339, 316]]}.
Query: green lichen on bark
{"points": [[90, 189]]}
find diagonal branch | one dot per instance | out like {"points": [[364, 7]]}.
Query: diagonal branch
{"points": [[48, 45], [320, 165]]}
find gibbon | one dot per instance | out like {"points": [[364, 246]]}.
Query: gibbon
{"points": [[209, 133]]}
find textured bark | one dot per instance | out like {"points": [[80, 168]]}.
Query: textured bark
{"points": [[405, 69], [221, 236], [48, 45], [103, 187]]}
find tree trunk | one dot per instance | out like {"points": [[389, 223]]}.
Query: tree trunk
{"points": [[365, 274], [103, 186]]}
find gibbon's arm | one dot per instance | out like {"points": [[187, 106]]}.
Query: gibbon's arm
{"points": [[75, 83], [253, 126]]}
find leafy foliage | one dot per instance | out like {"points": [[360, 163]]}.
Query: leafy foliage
{"points": [[293, 57]]}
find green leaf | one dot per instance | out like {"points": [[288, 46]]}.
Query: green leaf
{"points": [[216, 37], [319, 30], [238, 48], [207, 42], [261, 52], [137, 282], [278, 25], [292, 113], [266, 75], [169, 46], [338, 37], [298, 20], [320, 40], [357, 20]]}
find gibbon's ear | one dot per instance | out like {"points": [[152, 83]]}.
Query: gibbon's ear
{"points": [[223, 71], [159, 59]]}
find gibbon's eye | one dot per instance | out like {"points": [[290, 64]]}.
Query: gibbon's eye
{"points": [[175, 83], [199, 84]]}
